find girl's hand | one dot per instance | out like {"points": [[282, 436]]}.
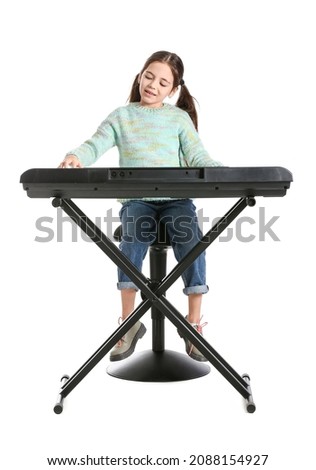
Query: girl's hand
{"points": [[71, 161]]}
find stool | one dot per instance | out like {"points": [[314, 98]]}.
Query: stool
{"points": [[157, 364]]}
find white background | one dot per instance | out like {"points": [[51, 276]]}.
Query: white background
{"points": [[65, 66]]}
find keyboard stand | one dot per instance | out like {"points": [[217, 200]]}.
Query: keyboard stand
{"points": [[153, 294]]}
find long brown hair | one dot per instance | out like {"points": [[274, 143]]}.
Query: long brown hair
{"points": [[185, 100]]}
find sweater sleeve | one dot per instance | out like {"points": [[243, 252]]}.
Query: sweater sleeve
{"points": [[193, 151], [101, 141]]}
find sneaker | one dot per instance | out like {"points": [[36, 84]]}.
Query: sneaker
{"points": [[191, 350], [126, 346]]}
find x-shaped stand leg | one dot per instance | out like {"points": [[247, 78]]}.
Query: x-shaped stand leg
{"points": [[154, 296]]}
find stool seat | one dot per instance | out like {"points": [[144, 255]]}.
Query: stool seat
{"points": [[162, 237]]}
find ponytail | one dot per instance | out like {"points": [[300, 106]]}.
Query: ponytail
{"points": [[134, 96], [186, 102]]}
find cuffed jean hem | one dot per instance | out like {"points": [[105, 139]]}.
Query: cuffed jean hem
{"points": [[126, 285], [196, 290]]}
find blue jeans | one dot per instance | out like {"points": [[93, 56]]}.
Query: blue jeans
{"points": [[139, 225]]}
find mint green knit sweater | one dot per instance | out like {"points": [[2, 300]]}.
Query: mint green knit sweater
{"points": [[147, 137]]}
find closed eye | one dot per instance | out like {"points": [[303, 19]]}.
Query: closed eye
{"points": [[165, 83]]}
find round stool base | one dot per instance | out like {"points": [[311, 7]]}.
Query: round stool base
{"points": [[164, 366]]}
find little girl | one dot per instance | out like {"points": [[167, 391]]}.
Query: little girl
{"points": [[151, 133]]}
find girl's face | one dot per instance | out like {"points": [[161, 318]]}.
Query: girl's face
{"points": [[155, 84]]}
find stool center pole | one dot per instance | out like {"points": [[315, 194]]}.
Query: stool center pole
{"points": [[158, 267]]}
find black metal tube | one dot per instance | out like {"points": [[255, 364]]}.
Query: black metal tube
{"points": [[207, 239], [204, 347], [107, 246], [105, 348], [158, 267]]}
